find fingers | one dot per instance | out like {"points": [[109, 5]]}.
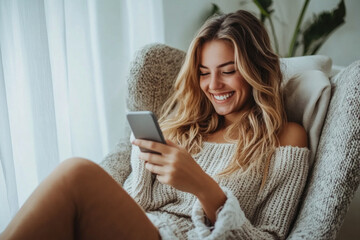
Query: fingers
{"points": [[159, 164], [152, 158], [156, 169], [151, 145]]}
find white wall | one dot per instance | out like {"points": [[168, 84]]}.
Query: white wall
{"points": [[182, 18]]}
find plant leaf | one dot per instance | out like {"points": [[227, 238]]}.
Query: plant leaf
{"points": [[264, 7], [215, 10], [317, 32]]}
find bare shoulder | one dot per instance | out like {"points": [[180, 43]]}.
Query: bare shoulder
{"points": [[293, 134]]}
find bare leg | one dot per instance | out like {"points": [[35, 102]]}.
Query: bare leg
{"points": [[79, 200]]}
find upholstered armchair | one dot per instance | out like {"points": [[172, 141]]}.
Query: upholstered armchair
{"points": [[326, 104]]}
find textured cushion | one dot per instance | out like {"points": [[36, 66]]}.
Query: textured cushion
{"points": [[295, 65], [307, 93], [336, 170], [307, 96], [152, 74]]}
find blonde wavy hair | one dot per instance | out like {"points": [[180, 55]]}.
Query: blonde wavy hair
{"points": [[188, 116]]}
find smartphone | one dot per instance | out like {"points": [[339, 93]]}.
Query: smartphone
{"points": [[144, 125]]}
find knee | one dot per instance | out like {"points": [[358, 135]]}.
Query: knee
{"points": [[76, 170], [80, 177], [77, 163]]}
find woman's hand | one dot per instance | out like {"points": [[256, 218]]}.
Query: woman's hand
{"points": [[174, 166]]}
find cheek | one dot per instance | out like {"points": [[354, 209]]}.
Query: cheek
{"points": [[245, 89], [203, 86], [244, 85]]}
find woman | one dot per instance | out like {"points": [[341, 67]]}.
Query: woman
{"points": [[233, 166]]}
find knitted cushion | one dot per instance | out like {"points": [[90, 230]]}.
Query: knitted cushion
{"points": [[152, 74], [336, 171]]}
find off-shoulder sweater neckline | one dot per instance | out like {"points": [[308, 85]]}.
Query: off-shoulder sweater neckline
{"points": [[210, 144]]}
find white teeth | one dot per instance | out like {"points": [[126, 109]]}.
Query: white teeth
{"points": [[223, 97]]}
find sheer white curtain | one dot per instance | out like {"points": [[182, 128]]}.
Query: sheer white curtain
{"points": [[63, 66]]}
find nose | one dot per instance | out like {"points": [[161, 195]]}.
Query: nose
{"points": [[215, 82]]}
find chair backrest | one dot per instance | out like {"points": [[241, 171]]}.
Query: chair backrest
{"points": [[152, 75], [335, 175]]}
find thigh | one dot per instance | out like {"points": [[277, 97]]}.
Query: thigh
{"points": [[104, 209]]}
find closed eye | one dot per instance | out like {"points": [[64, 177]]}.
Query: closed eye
{"points": [[203, 74], [229, 72]]}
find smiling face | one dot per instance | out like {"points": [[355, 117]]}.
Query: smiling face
{"points": [[220, 80]]}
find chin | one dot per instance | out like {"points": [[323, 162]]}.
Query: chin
{"points": [[223, 113]]}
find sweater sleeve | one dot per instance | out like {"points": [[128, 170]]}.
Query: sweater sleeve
{"points": [[277, 202]]}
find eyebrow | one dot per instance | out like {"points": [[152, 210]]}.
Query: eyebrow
{"points": [[220, 66]]}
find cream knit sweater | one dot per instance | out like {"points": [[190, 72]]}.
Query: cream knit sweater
{"points": [[248, 213]]}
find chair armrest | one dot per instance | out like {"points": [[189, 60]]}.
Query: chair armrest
{"points": [[117, 163], [335, 176]]}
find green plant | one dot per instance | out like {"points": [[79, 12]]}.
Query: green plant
{"points": [[311, 35]]}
